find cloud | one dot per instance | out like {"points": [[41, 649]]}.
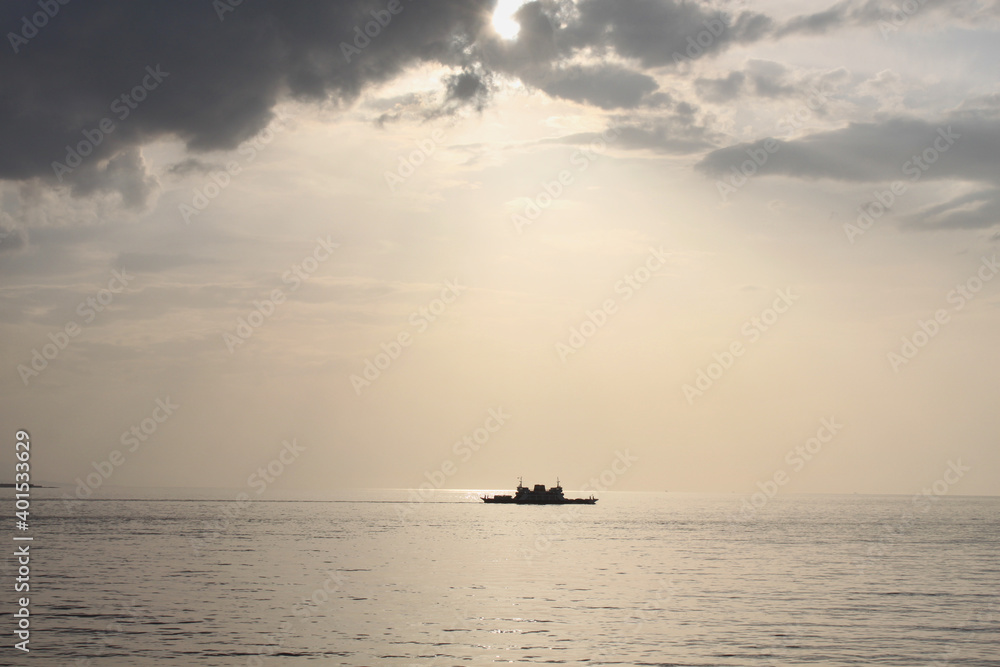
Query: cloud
{"points": [[880, 151], [603, 86], [769, 80], [192, 165], [976, 210], [181, 70], [470, 88], [467, 86], [659, 32], [11, 239], [125, 174], [960, 148], [720, 90], [219, 78], [672, 134], [184, 71], [154, 262], [836, 16], [885, 16]]}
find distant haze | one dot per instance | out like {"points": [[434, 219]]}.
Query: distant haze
{"points": [[734, 249]]}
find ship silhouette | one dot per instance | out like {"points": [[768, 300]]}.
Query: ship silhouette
{"points": [[539, 496]]}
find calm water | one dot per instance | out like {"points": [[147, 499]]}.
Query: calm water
{"points": [[638, 579]]}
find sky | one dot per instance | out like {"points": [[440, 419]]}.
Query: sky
{"points": [[642, 245]]}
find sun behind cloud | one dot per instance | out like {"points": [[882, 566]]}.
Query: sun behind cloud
{"points": [[503, 18]]}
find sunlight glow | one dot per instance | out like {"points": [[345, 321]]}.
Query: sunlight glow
{"points": [[503, 18]]}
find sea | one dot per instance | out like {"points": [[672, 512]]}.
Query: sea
{"points": [[396, 577]]}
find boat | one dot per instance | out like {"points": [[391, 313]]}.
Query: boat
{"points": [[539, 495]]}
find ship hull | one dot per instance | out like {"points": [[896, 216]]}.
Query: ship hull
{"points": [[538, 496], [508, 500]]}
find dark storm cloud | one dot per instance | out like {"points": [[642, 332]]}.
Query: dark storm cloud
{"points": [[216, 79], [125, 173]]}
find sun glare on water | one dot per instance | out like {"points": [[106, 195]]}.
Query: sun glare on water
{"points": [[503, 18]]}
